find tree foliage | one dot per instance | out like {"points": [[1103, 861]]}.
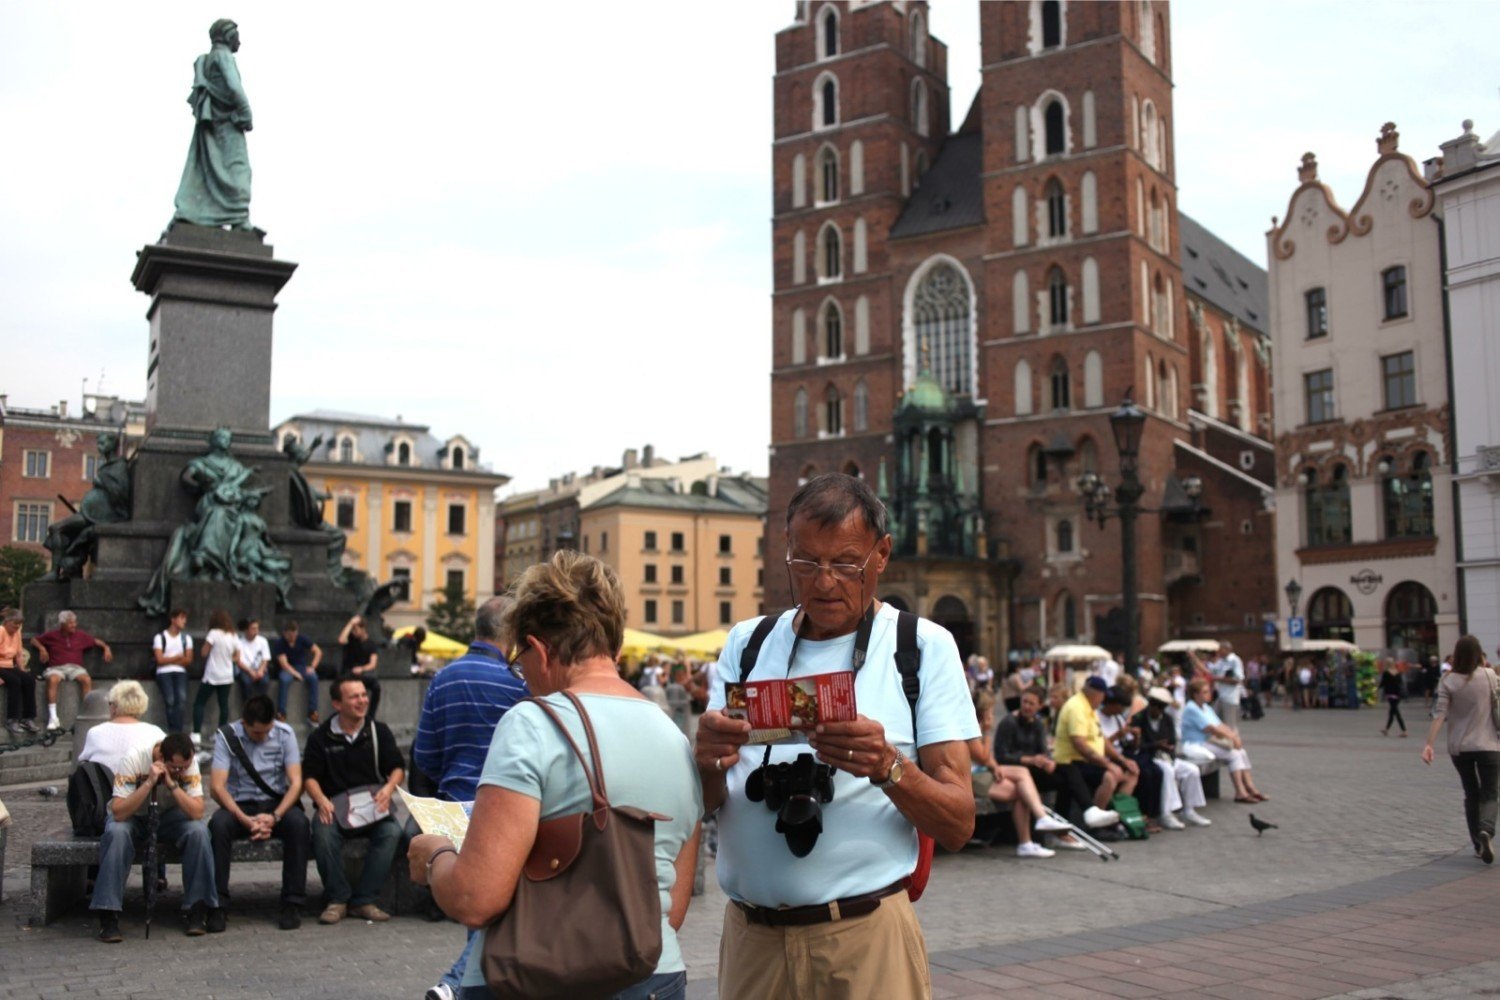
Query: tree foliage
{"points": [[452, 614], [18, 567]]}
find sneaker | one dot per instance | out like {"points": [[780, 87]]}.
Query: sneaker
{"points": [[1194, 819], [12, 726], [1031, 850], [1170, 822], [291, 917], [54, 726], [197, 741], [197, 919], [1094, 817], [369, 911], [442, 991], [218, 920], [1047, 824], [333, 913], [1067, 842], [29, 726], [1486, 848], [109, 927]]}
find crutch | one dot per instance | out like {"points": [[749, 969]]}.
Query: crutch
{"points": [[1097, 847]]}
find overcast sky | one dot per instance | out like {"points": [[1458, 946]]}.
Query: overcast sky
{"points": [[547, 226]]}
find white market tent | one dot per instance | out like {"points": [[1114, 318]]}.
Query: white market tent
{"points": [[1189, 646], [1322, 646]]}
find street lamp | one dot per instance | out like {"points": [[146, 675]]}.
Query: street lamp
{"points": [[1293, 594], [1127, 423]]}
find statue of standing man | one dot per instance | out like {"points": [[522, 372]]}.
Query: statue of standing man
{"points": [[215, 188]]}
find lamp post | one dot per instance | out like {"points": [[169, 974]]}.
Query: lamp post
{"points": [[1293, 595]]}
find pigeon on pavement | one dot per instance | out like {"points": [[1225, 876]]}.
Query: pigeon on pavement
{"points": [[1261, 826]]}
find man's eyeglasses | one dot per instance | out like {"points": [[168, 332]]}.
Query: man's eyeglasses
{"points": [[804, 570]]}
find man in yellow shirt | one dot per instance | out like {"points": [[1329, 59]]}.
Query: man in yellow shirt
{"points": [[1081, 745]]}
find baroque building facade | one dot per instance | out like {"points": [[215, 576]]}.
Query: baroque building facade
{"points": [[1365, 521], [957, 313]]}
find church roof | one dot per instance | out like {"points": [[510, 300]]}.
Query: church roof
{"points": [[950, 195], [1227, 279]]}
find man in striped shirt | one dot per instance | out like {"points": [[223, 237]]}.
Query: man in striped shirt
{"points": [[464, 703]]}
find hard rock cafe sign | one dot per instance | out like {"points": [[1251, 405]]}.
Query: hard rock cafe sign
{"points": [[1365, 581]]}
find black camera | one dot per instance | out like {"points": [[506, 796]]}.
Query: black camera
{"points": [[795, 792]]}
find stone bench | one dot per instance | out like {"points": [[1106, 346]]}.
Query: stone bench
{"points": [[59, 872]]}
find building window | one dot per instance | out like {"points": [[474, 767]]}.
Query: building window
{"points": [[1330, 615], [831, 259], [726, 613], [830, 34], [833, 332], [1410, 619], [726, 576], [1052, 119], [455, 580], [678, 542], [457, 457], [1061, 388], [456, 512], [650, 611], [1317, 392], [345, 513], [828, 174], [37, 464], [1393, 288], [1408, 499], [31, 522], [1051, 24], [402, 575], [1399, 371], [919, 120], [603, 542], [1036, 467], [401, 516], [1064, 537], [942, 319], [1057, 210], [828, 92], [90, 467], [403, 454], [346, 450], [918, 39], [799, 414], [726, 545], [833, 412], [650, 573], [650, 544], [679, 611], [1317, 313], [1327, 508], [1057, 297], [677, 577]]}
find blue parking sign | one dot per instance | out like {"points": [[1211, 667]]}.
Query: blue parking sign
{"points": [[1296, 628], [1270, 630]]}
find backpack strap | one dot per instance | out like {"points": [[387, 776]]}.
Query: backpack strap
{"points": [[238, 749], [909, 662], [751, 652]]}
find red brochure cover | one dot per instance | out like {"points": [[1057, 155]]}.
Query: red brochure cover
{"points": [[782, 711]]}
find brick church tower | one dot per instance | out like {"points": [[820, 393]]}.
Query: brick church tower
{"points": [[956, 315]]}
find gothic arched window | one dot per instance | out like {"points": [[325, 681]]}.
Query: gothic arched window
{"points": [[829, 30], [1057, 297], [831, 257], [861, 406], [944, 324], [833, 331], [1064, 536], [833, 412], [828, 175], [1052, 120], [1057, 209], [1051, 24], [1062, 389]]}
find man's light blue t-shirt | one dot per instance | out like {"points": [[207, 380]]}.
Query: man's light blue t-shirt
{"points": [[866, 843], [1196, 719], [269, 757], [647, 764]]}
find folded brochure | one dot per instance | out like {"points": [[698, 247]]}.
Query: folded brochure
{"points": [[448, 819], [782, 711]]}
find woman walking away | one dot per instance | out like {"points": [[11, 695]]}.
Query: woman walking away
{"points": [[566, 628], [1465, 702], [221, 661], [1390, 690]]}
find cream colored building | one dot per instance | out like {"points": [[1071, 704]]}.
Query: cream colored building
{"points": [[413, 506], [1364, 512]]}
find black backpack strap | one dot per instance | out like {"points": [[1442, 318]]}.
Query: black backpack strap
{"points": [[909, 662], [751, 652], [238, 749]]}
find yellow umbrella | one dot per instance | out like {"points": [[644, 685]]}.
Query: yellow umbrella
{"points": [[436, 645], [638, 643], [701, 644]]}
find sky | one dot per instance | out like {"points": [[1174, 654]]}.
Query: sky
{"points": [[547, 227]]}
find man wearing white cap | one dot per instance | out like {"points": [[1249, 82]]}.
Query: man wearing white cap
{"points": [[1182, 785]]}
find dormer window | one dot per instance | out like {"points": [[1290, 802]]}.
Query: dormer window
{"points": [[346, 449], [458, 458], [403, 454]]}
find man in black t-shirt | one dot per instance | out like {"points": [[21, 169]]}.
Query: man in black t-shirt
{"points": [[295, 658], [360, 658]]}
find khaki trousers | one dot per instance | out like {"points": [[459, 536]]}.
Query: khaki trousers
{"points": [[881, 954]]}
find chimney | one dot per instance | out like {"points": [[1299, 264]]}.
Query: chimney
{"points": [[632, 458], [648, 456], [713, 485], [62, 408]]}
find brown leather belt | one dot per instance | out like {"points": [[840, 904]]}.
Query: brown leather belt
{"points": [[801, 916]]}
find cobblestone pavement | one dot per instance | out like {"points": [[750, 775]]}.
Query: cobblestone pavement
{"points": [[1367, 865]]}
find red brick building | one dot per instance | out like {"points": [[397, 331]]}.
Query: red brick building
{"points": [[48, 455], [956, 316]]}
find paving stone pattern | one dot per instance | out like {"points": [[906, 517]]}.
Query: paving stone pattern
{"points": [[1364, 886]]}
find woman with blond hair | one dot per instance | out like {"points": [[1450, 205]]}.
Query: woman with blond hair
{"points": [[1465, 704], [566, 628]]}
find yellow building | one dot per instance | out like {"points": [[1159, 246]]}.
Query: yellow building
{"points": [[688, 553], [414, 507]]}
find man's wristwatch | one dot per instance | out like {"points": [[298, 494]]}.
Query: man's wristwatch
{"points": [[893, 776]]}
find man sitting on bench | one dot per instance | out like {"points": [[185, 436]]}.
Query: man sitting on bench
{"points": [[169, 773], [257, 781]]}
